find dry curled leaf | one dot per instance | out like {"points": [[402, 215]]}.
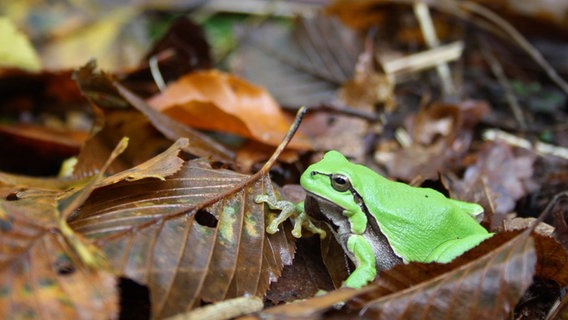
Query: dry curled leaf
{"points": [[110, 101], [439, 135], [222, 102]]}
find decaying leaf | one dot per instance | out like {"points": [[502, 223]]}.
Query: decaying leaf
{"points": [[49, 270], [217, 101], [41, 275]]}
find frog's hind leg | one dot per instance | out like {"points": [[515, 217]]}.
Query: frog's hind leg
{"points": [[449, 250], [473, 209]]}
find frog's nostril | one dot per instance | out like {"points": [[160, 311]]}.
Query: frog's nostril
{"points": [[313, 173]]}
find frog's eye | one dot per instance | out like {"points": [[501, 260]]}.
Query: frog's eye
{"points": [[340, 182]]}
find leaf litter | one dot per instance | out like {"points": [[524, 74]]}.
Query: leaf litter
{"points": [[175, 212]]}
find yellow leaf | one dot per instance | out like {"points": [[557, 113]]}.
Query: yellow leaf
{"points": [[16, 50]]}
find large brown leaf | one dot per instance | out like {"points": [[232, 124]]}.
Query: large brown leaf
{"points": [[196, 236], [48, 270]]}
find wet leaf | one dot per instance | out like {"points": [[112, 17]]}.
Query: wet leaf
{"points": [[196, 236], [222, 102]]}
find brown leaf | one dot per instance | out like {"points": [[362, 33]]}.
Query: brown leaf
{"points": [[160, 166], [50, 270], [506, 184], [40, 274], [198, 235], [222, 102], [486, 288], [112, 98], [552, 260], [304, 278]]}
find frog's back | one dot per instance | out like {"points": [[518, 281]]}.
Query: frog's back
{"points": [[420, 216]]}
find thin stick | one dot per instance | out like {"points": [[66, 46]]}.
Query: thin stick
{"points": [[422, 13], [287, 138]]}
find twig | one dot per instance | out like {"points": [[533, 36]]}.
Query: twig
{"points": [[422, 13], [497, 70], [538, 147]]}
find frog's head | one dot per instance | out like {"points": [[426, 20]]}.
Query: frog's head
{"points": [[332, 179]]}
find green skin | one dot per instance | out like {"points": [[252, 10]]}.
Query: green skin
{"points": [[420, 224]]}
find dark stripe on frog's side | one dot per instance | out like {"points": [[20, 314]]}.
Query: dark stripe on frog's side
{"points": [[325, 210]]}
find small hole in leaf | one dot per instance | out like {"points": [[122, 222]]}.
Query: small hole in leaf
{"points": [[206, 219], [63, 265], [12, 196], [134, 300]]}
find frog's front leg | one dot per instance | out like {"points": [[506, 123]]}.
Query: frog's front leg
{"points": [[365, 262], [288, 210]]}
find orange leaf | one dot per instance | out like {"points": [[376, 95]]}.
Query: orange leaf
{"points": [[222, 102]]}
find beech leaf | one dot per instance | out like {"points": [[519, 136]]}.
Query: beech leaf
{"points": [[196, 236]]}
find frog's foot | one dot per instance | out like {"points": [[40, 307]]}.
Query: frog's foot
{"points": [[360, 277], [364, 259], [303, 220], [288, 210]]}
